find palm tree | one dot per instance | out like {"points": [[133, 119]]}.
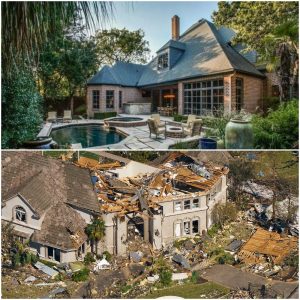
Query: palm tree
{"points": [[96, 232], [282, 54], [26, 26]]}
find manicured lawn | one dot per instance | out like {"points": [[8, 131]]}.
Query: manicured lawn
{"points": [[208, 290], [55, 153]]}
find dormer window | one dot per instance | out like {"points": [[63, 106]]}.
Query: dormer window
{"points": [[163, 61], [20, 214]]}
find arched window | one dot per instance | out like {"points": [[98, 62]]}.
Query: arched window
{"points": [[20, 214]]}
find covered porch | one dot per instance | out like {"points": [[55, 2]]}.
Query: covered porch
{"points": [[164, 99]]}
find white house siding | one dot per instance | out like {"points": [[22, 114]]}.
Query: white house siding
{"points": [[31, 223], [129, 94]]}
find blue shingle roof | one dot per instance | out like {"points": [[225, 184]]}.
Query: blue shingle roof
{"points": [[201, 50]]}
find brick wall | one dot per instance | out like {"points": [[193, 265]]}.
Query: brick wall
{"points": [[253, 91], [128, 95]]}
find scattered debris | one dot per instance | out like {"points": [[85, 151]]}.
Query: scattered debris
{"points": [[234, 246], [178, 258], [60, 292], [47, 270], [179, 276], [153, 278], [102, 264], [136, 256], [30, 279]]}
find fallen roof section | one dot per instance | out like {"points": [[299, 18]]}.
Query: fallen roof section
{"points": [[265, 243]]}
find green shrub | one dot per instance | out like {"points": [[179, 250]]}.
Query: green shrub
{"points": [[108, 256], [180, 118], [88, 259], [81, 109], [105, 115], [279, 129], [225, 258], [48, 263], [165, 277], [16, 260], [292, 259], [195, 277], [21, 108], [81, 275], [213, 230]]}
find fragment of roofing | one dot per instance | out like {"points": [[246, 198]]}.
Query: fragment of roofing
{"points": [[178, 176], [200, 51], [51, 188]]}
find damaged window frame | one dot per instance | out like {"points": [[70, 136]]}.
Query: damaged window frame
{"points": [[180, 229], [177, 204], [189, 227], [196, 203], [20, 214]]}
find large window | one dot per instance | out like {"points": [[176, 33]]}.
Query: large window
{"points": [[163, 61], [204, 97], [239, 94], [53, 253], [120, 99], [110, 99], [96, 99], [20, 214]]}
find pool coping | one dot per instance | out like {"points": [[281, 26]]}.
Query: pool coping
{"points": [[161, 143]]}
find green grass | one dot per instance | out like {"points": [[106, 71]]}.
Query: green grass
{"points": [[54, 154], [208, 290], [90, 155]]}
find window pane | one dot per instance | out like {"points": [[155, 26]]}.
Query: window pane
{"points": [[195, 203], [177, 206], [187, 227], [187, 204], [195, 226]]}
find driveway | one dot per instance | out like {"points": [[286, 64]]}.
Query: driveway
{"points": [[234, 278]]}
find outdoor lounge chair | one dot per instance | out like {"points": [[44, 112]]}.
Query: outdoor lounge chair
{"points": [[52, 116], [156, 118], [156, 129], [67, 116], [190, 120], [194, 129]]}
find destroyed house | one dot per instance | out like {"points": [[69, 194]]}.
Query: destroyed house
{"points": [[49, 203], [159, 205]]}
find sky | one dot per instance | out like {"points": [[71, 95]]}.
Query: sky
{"points": [[155, 17]]}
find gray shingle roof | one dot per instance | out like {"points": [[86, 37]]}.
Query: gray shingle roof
{"points": [[205, 51]]}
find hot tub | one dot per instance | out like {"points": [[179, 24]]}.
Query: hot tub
{"points": [[125, 122], [134, 108]]}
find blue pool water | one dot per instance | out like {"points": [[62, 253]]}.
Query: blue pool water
{"points": [[87, 135]]}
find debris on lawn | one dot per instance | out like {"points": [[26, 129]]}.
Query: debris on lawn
{"points": [[179, 276], [47, 270], [102, 264]]}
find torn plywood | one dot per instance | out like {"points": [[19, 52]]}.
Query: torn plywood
{"points": [[265, 244]]}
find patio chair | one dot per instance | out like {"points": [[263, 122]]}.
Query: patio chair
{"points": [[67, 115], [52, 116], [156, 118], [156, 129], [194, 129], [190, 120]]}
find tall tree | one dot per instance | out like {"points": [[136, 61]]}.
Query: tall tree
{"points": [[262, 26], [96, 232], [122, 45]]}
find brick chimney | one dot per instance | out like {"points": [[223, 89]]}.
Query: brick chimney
{"points": [[175, 28]]}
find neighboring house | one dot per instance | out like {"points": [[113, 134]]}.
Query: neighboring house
{"points": [[48, 203], [198, 72]]}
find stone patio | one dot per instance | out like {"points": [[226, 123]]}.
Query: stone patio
{"points": [[137, 138]]}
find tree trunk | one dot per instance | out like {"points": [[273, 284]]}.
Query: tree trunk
{"points": [[284, 71], [72, 105]]}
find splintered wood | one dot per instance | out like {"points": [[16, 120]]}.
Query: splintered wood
{"points": [[93, 164], [265, 244]]}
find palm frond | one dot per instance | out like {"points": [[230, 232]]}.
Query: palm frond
{"points": [[26, 26]]}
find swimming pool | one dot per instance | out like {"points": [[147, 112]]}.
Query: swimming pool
{"points": [[87, 135]]}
